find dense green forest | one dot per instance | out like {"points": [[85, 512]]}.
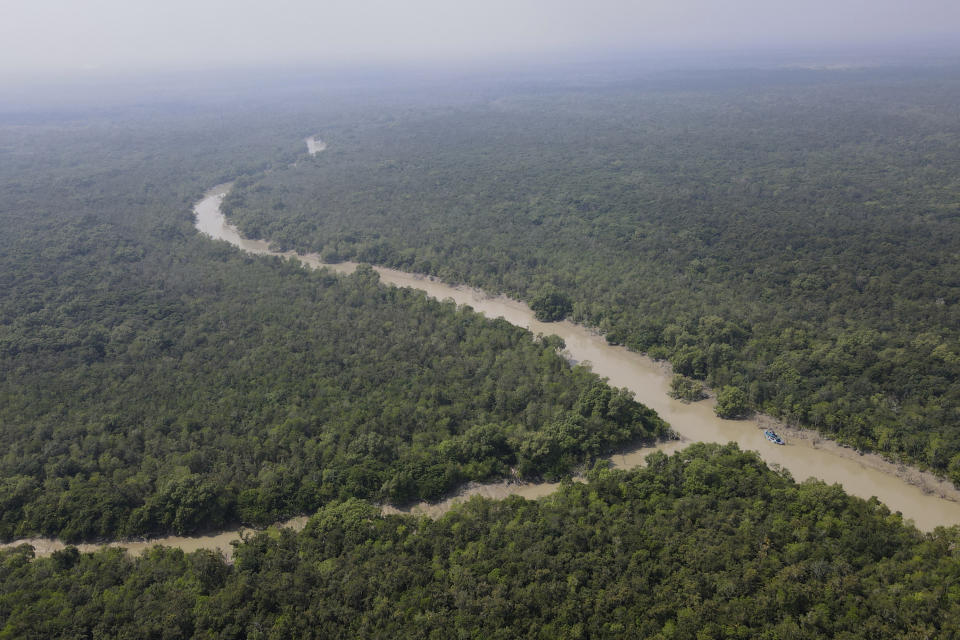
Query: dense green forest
{"points": [[788, 238], [792, 234], [708, 543], [154, 381]]}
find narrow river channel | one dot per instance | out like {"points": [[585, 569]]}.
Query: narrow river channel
{"points": [[919, 496]]}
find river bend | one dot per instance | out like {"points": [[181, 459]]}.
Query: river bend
{"points": [[919, 496], [922, 497]]}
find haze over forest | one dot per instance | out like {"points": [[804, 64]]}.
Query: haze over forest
{"points": [[63, 38]]}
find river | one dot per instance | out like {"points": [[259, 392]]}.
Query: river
{"points": [[919, 496]]}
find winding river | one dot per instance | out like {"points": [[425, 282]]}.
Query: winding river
{"points": [[919, 496]]}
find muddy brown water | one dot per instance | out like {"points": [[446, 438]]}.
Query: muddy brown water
{"points": [[920, 496], [214, 541]]}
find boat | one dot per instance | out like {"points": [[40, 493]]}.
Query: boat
{"points": [[772, 436]]}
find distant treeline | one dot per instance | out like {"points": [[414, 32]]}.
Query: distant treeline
{"points": [[797, 241], [708, 543]]}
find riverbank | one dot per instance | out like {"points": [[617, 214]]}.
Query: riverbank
{"points": [[928, 483], [222, 541], [918, 495]]}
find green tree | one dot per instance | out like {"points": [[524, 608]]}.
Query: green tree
{"points": [[732, 403], [684, 388], [551, 306]]}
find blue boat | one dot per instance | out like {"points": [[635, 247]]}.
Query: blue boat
{"points": [[773, 437]]}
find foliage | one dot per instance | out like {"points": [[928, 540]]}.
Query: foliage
{"points": [[795, 243], [708, 543], [551, 306], [154, 381], [732, 403], [684, 388], [790, 233]]}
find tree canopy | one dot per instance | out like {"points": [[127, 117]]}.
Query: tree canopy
{"points": [[708, 543], [154, 381], [790, 233], [551, 306], [732, 403]]}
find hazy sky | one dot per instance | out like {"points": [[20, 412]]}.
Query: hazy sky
{"points": [[107, 35]]}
